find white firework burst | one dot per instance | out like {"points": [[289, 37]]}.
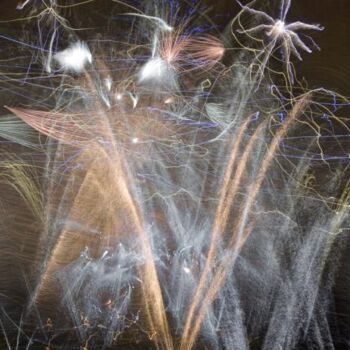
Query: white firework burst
{"points": [[281, 35]]}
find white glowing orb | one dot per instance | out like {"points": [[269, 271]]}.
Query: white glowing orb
{"points": [[280, 27], [187, 270], [169, 100], [74, 58], [154, 69]]}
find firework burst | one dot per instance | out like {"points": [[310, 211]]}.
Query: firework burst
{"points": [[158, 188]]}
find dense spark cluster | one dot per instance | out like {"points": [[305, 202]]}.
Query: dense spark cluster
{"points": [[160, 188]]}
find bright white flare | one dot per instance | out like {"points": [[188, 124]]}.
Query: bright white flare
{"points": [[74, 58], [154, 69], [279, 28], [187, 270]]}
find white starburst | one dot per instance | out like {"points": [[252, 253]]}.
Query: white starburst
{"points": [[74, 58], [282, 35]]}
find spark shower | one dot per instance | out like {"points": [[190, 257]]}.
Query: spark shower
{"points": [[167, 181]]}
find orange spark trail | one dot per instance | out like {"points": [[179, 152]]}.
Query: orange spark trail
{"points": [[194, 319]]}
